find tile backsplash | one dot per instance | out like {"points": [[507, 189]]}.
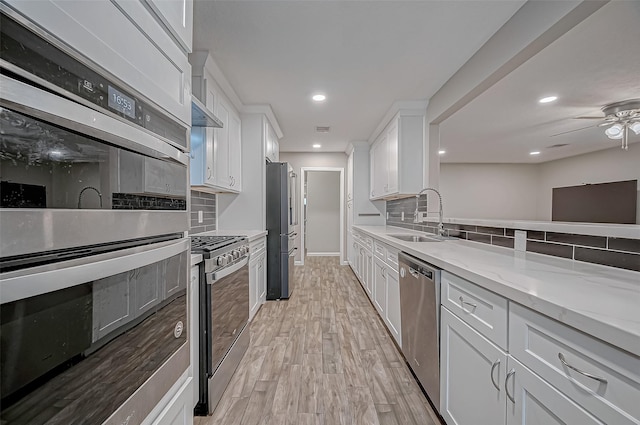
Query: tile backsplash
{"points": [[205, 202], [609, 251]]}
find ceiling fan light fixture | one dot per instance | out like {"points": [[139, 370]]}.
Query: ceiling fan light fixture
{"points": [[635, 127], [614, 132]]}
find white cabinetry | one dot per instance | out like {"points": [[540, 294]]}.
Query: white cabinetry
{"points": [[257, 275], [152, 63], [397, 157], [472, 372], [376, 266], [179, 410], [272, 146], [551, 373], [216, 153], [177, 17]]}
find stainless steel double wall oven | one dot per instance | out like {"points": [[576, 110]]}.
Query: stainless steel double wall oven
{"points": [[93, 255]]}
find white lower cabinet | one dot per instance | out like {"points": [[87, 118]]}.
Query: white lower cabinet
{"points": [[379, 286], [257, 276], [472, 372], [549, 374], [179, 411], [538, 403], [392, 312], [194, 328]]}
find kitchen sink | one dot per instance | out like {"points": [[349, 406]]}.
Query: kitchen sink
{"points": [[417, 238]]}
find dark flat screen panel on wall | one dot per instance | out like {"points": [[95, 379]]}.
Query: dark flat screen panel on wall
{"points": [[613, 202]]}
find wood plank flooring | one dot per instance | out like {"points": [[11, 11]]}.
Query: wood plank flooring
{"points": [[323, 357]]}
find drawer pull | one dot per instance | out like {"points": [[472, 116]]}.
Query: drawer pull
{"points": [[493, 367], [512, 372], [463, 302], [581, 372]]}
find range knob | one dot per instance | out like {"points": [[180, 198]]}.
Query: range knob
{"points": [[221, 260], [229, 258], [236, 254], [243, 250]]}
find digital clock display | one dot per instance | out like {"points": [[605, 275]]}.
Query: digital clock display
{"points": [[122, 103]]}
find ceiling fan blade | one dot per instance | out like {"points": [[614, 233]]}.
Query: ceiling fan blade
{"points": [[572, 131], [588, 118], [604, 124]]}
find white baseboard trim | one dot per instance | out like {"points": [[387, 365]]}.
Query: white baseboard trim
{"points": [[297, 263], [345, 263], [323, 254]]}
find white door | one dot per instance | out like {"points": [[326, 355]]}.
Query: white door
{"points": [[379, 168], [379, 286], [392, 158], [254, 282], [472, 372], [221, 148], [235, 152], [392, 312], [538, 403]]}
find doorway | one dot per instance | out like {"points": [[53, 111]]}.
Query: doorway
{"points": [[322, 208]]}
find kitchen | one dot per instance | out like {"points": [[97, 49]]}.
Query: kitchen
{"points": [[191, 100]]}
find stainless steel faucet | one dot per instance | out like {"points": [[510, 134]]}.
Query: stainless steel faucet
{"points": [[440, 224], [82, 191]]}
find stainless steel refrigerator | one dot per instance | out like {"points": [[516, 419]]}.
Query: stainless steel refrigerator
{"points": [[282, 218]]}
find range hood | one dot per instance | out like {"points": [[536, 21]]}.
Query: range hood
{"points": [[201, 116]]}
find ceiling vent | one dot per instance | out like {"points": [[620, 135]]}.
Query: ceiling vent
{"points": [[558, 145], [321, 129]]}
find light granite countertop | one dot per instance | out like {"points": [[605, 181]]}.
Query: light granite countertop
{"points": [[601, 301], [250, 234]]}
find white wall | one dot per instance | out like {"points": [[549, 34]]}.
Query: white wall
{"points": [[491, 191], [323, 212], [523, 191], [313, 159], [603, 166]]}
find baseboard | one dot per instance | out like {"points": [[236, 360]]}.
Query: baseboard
{"points": [[297, 263], [344, 263], [323, 254]]}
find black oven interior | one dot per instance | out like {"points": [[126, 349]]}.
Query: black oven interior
{"points": [[47, 166], [64, 353]]}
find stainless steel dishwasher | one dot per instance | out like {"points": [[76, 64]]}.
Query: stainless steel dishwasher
{"points": [[420, 322]]}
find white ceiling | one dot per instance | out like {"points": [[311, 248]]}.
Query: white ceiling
{"points": [[595, 63], [364, 55]]}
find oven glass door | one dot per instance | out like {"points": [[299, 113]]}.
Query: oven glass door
{"points": [[229, 300], [78, 338]]}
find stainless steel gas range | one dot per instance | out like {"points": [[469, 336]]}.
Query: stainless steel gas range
{"points": [[223, 313]]}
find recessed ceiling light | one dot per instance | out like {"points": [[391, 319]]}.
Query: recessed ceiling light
{"points": [[534, 153], [548, 99], [317, 146], [442, 152], [319, 97]]}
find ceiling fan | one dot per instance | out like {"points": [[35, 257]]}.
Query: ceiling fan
{"points": [[619, 117]]}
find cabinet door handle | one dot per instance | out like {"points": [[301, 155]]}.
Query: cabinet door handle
{"points": [[581, 372], [493, 367], [511, 373], [208, 173], [463, 302]]}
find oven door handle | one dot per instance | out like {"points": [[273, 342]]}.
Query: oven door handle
{"points": [[227, 271]]}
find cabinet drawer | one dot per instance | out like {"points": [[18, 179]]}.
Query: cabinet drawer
{"points": [[392, 258], [379, 250], [538, 341], [257, 246], [367, 242], [481, 309]]}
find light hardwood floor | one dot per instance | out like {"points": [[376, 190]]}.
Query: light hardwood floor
{"points": [[323, 357]]}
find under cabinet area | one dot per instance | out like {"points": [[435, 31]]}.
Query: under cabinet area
{"points": [[397, 157], [548, 373]]}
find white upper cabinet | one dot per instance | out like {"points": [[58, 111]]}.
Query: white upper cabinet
{"points": [[272, 148], [177, 17], [397, 157], [124, 39], [216, 153]]}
